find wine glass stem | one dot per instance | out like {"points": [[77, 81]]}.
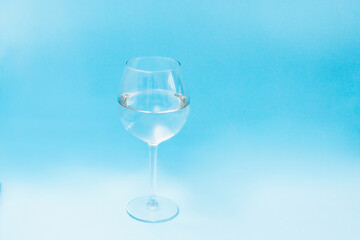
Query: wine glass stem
{"points": [[153, 158]]}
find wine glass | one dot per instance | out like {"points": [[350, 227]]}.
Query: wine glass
{"points": [[154, 106]]}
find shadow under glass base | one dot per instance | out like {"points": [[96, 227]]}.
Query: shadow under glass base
{"points": [[142, 210]]}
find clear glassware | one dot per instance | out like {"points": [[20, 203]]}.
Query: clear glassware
{"points": [[154, 106]]}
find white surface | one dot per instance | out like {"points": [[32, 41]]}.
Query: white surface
{"points": [[92, 205]]}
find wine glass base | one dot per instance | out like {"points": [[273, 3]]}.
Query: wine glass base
{"points": [[141, 211]]}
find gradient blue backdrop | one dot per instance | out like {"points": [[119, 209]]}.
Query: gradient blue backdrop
{"points": [[271, 149]]}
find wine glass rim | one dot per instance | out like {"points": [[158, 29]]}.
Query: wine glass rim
{"points": [[155, 57]]}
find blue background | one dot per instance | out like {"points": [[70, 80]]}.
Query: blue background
{"points": [[271, 149]]}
